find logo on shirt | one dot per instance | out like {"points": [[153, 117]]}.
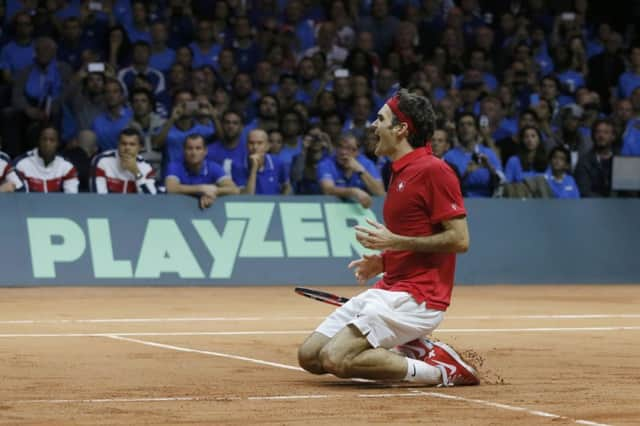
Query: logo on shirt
{"points": [[454, 206], [401, 186]]}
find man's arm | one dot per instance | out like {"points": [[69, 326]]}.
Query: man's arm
{"points": [[454, 238], [328, 187], [226, 186], [175, 187], [374, 186]]}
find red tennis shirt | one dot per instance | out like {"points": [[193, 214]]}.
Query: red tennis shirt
{"points": [[423, 192]]}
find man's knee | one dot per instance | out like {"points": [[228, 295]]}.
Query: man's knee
{"points": [[309, 354], [336, 362]]}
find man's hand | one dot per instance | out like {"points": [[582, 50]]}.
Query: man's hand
{"points": [[367, 267], [206, 201], [256, 160], [362, 197], [130, 164], [210, 191], [355, 166], [376, 238], [177, 112]]}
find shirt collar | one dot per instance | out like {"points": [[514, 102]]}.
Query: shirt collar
{"points": [[414, 155]]}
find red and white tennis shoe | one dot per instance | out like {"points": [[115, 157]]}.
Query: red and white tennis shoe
{"points": [[455, 372], [415, 349]]}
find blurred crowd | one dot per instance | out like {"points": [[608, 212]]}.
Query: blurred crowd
{"points": [[210, 98]]}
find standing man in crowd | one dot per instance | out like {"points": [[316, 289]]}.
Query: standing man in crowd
{"points": [[425, 227], [198, 176]]}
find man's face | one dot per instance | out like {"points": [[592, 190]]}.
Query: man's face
{"points": [[491, 110], [45, 52], [549, 90], [243, 85], [290, 125], [624, 110], [360, 85], [263, 72], [559, 162], [385, 132], [128, 146], [268, 108], [440, 143], [275, 140], [333, 126], [288, 87], [603, 136], [379, 8], [95, 83], [205, 31], [257, 142], [141, 105], [307, 71], [159, 33], [341, 88], [141, 55], [195, 151], [527, 120], [467, 131], [113, 94], [24, 26], [48, 143], [232, 126], [71, 30], [139, 13], [361, 108], [365, 41], [346, 150], [385, 80]]}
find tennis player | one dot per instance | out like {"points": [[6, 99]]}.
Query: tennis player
{"points": [[425, 226]]}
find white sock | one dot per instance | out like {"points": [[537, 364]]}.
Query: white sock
{"points": [[421, 372]]}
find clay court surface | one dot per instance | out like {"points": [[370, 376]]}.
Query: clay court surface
{"points": [[550, 355]]}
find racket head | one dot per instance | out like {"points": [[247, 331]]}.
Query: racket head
{"points": [[321, 296]]}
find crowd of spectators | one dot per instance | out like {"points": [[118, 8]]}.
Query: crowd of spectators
{"points": [[211, 98]]}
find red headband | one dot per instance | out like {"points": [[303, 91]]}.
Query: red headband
{"points": [[393, 105]]}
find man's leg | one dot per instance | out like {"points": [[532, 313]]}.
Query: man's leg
{"points": [[309, 353]]}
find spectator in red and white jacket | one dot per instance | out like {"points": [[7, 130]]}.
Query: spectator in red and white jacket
{"points": [[43, 170], [123, 170], [6, 185]]}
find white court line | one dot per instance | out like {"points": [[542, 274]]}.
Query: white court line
{"points": [[294, 318], [296, 332], [291, 367]]}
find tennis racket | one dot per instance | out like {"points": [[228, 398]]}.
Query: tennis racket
{"points": [[322, 296]]}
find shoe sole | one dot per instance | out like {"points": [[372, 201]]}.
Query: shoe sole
{"points": [[458, 359]]}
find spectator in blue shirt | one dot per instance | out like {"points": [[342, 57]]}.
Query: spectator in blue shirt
{"points": [[304, 169], [181, 124], [268, 114], [358, 123], [477, 165], [162, 56], [246, 50], [630, 79], [108, 125], [138, 27], [531, 159], [230, 151], [198, 176], [206, 48], [349, 174], [561, 183], [243, 97], [71, 44], [18, 54], [304, 31], [267, 175], [140, 66]]}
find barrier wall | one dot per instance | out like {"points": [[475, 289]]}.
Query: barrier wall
{"points": [[89, 239]]}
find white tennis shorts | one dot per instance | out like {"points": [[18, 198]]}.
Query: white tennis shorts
{"points": [[386, 318]]}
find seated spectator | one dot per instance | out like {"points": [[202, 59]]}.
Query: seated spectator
{"points": [[230, 151], [5, 168], [630, 80], [246, 50], [440, 143], [593, 172], [560, 181], [181, 124], [570, 134], [304, 169], [137, 25], [122, 170], [243, 97], [531, 159], [148, 123], [268, 114], [631, 135], [359, 121], [206, 49], [72, 45], [349, 174], [477, 165], [18, 53], [162, 56], [140, 66], [79, 151], [267, 175], [108, 125], [43, 170], [292, 127], [198, 176], [84, 100]]}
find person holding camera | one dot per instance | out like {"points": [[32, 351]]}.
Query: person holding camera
{"points": [[181, 123], [316, 146], [477, 165]]}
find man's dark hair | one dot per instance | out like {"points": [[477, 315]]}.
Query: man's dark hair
{"points": [[421, 112], [145, 92], [141, 43], [562, 149], [195, 136], [462, 115], [235, 112], [130, 131]]}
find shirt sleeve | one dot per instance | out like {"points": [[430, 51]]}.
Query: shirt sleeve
{"points": [[217, 172], [442, 194], [283, 173], [173, 170], [70, 182], [511, 171], [371, 168], [324, 172]]}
